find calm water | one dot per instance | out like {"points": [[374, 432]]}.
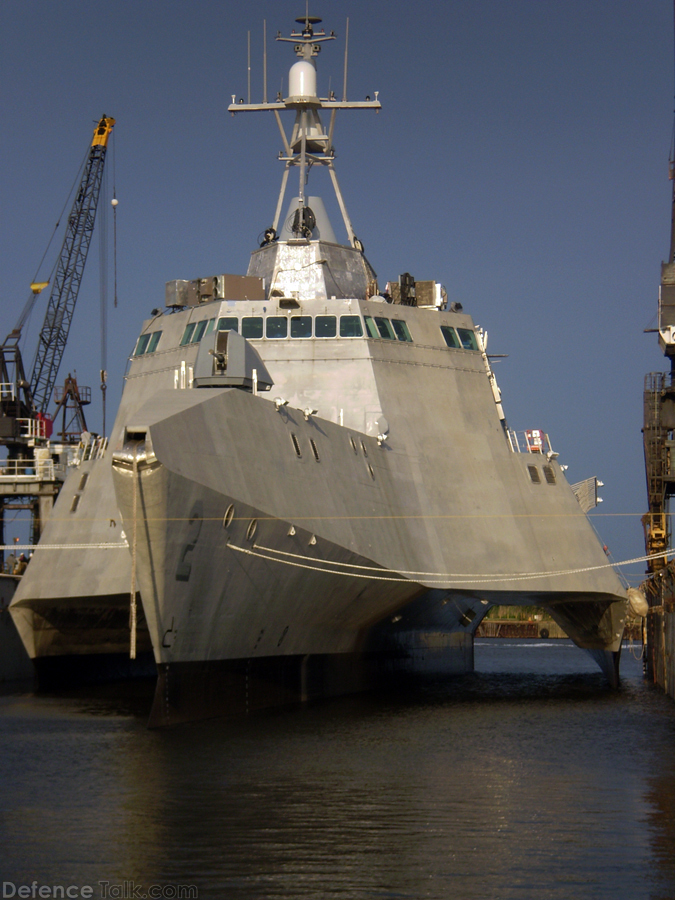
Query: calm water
{"points": [[528, 779]]}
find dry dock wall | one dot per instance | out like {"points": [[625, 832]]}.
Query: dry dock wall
{"points": [[15, 663], [660, 592]]}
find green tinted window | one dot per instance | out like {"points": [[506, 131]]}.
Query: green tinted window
{"points": [[385, 329], [401, 329], [199, 331], [350, 326], [450, 336], [154, 340], [301, 326], [187, 334], [210, 326], [371, 327], [325, 326], [468, 338], [276, 327], [252, 326], [142, 345], [228, 323]]}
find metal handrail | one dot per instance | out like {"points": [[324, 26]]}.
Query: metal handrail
{"points": [[532, 440], [35, 429], [27, 470], [90, 447]]}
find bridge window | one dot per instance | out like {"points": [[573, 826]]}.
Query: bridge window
{"points": [[199, 331], [187, 334], [142, 345], [385, 329], [252, 326], [228, 323], [401, 329], [301, 326], [450, 336], [325, 326], [371, 327], [147, 343], [276, 327], [468, 338], [154, 340], [351, 327]]}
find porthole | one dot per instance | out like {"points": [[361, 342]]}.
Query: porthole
{"points": [[296, 445], [363, 447], [535, 477], [370, 469], [353, 443], [229, 515], [315, 450], [251, 530], [83, 481], [75, 503]]}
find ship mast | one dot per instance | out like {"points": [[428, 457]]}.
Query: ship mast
{"points": [[309, 144]]}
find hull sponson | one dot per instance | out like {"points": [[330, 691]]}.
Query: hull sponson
{"points": [[72, 671], [247, 551], [73, 599], [387, 504]]}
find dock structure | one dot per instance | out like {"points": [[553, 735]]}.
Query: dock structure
{"points": [[659, 443], [31, 485], [659, 588]]}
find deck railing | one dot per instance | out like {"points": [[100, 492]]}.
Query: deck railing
{"points": [[91, 446], [29, 470], [533, 440]]}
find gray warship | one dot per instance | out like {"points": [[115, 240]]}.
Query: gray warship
{"points": [[310, 486]]}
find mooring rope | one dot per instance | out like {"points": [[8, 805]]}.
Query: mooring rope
{"points": [[376, 573], [132, 609], [112, 545]]}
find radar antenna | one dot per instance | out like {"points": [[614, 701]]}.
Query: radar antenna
{"points": [[309, 144]]}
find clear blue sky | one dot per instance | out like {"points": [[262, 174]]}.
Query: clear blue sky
{"points": [[520, 158]]}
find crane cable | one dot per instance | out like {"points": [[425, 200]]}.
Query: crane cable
{"points": [[103, 289], [114, 202], [103, 236]]}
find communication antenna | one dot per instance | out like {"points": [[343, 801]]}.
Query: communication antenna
{"points": [[308, 145], [264, 60], [249, 68], [344, 86]]}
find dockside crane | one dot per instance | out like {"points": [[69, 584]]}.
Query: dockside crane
{"points": [[24, 402], [28, 477]]}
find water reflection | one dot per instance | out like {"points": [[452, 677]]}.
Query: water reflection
{"points": [[511, 783]]}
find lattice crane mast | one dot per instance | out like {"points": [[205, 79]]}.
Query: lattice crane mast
{"points": [[69, 271], [23, 401]]}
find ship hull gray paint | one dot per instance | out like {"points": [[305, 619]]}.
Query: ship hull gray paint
{"points": [[446, 496], [271, 596]]}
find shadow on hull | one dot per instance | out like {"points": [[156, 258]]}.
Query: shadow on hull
{"points": [[55, 673], [190, 691]]}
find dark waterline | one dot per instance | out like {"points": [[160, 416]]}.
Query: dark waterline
{"points": [[526, 779]]}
